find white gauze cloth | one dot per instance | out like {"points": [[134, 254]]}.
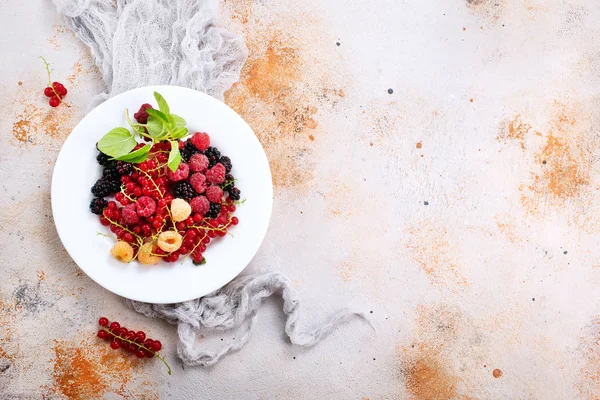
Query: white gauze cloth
{"points": [[152, 42]]}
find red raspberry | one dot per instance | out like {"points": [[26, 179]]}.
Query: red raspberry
{"points": [[180, 174], [214, 194], [146, 206], [142, 116], [198, 163], [129, 214], [198, 182], [216, 174], [200, 205], [201, 140]]}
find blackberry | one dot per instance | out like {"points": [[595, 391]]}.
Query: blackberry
{"points": [[124, 168], [188, 150], [111, 171], [226, 161], [183, 190], [97, 205], [234, 193], [105, 186], [103, 159], [213, 154], [214, 211]]}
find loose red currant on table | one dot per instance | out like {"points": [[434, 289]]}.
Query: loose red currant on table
{"points": [[128, 340]]}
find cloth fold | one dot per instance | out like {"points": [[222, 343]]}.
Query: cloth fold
{"points": [[177, 42]]}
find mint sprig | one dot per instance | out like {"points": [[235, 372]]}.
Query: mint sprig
{"points": [[161, 125]]}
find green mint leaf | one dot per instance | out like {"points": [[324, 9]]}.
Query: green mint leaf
{"points": [[171, 121], [162, 103], [157, 114], [117, 142], [174, 156], [179, 122], [137, 156], [155, 126], [178, 133]]}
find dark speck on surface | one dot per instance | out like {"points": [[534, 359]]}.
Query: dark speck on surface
{"points": [[390, 91], [337, 43], [544, 162], [426, 203], [29, 297], [4, 368], [565, 252], [294, 358], [371, 312], [533, 299]]}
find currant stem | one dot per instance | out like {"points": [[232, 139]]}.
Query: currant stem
{"points": [[125, 229], [50, 85], [141, 346]]}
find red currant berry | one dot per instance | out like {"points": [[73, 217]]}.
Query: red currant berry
{"points": [[48, 92], [137, 192], [162, 203], [137, 229], [122, 331], [62, 92], [222, 220], [108, 213], [125, 345], [57, 85], [54, 102], [184, 250], [231, 208], [202, 248], [113, 228], [140, 353], [114, 345], [102, 334], [189, 221], [128, 237], [149, 353], [221, 233], [103, 321], [148, 343], [156, 224], [206, 239], [180, 225], [156, 345], [115, 326], [104, 221], [212, 234], [191, 234], [140, 337], [234, 220], [112, 205]]}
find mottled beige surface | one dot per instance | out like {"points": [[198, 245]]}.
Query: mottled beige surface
{"points": [[462, 209]]}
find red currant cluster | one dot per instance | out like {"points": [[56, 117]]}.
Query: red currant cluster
{"points": [[161, 214], [56, 93], [134, 342]]}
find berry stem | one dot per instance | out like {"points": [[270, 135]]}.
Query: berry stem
{"points": [[50, 85], [141, 346], [140, 131], [131, 199]]}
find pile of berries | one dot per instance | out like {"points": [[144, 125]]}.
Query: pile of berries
{"points": [[158, 214], [56, 95], [134, 342]]}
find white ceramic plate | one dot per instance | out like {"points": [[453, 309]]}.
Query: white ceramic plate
{"points": [[76, 171]]}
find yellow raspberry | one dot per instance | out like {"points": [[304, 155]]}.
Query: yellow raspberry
{"points": [[145, 255], [180, 210], [169, 241], [122, 251]]}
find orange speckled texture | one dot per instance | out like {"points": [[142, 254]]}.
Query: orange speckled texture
{"points": [[436, 165]]}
